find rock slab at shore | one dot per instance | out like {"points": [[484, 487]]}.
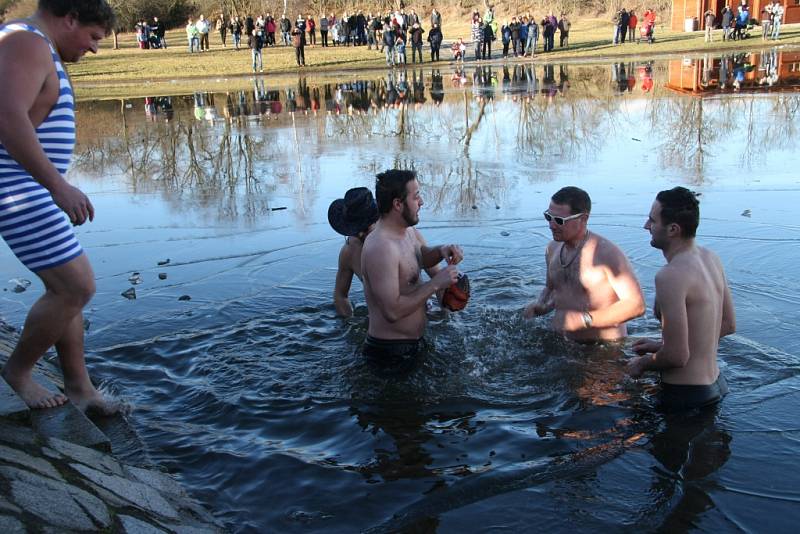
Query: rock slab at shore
{"points": [[57, 473], [51, 484]]}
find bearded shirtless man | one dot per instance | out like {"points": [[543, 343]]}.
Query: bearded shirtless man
{"points": [[392, 260], [590, 283]]}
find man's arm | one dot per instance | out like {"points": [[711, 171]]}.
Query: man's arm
{"points": [[431, 271], [546, 301], [432, 252], [624, 283], [728, 325], [341, 291], [382, 269], [674, 351], [25, 64], [431, 256]]}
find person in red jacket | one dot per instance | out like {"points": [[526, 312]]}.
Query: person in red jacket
{"points": [[311, 28], [633, 20]]}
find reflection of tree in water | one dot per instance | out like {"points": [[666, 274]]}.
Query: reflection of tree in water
{"points": [[569, 127], [687, 130], [224, 166], [191, 162], [221, 149], [560, 120], [456, 184], [694, 128], [765, 128], [783, 133], [470, 129]]}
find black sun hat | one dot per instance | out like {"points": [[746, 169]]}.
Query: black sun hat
{"points": [[354, 213]]}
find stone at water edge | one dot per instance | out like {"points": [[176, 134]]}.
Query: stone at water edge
{"points": [[20, 284]]}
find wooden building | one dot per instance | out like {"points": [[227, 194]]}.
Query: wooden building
{"points": [[694, 10]]}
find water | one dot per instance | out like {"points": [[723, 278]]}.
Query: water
{"points": [[254, 394]]}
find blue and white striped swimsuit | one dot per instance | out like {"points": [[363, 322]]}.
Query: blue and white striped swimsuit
{"points": [[39, 232]]}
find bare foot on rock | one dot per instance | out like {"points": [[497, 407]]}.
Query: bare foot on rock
{"points": [[33, 394]]}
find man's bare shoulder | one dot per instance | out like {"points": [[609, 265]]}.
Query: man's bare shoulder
{"points": [[379, 243], [24, 46], [25, 63], [608, 253], [710, 256], [604, 245], [346, 254], [672, 278]]}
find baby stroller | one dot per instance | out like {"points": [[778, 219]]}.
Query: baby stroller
{"points": [[741, 30], [154, 41], [646, 32]]}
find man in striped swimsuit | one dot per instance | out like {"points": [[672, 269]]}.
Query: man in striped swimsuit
{"points": [[37, 206]]}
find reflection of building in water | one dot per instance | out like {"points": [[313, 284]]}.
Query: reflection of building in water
{"points": [[768, 70], [685, 10]]}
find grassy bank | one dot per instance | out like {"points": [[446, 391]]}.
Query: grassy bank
{"points": [[129, 71]]}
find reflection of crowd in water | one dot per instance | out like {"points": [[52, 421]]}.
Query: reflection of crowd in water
{"points": [[159, 106], [626, 75], [733, 68], [394, 90], [417, 87], [730, 71], [514, 81], [420, 87]]}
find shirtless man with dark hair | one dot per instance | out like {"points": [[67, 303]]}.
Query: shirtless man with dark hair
{"points": [[38, 207], [392, 260], [694, 304], [590, 284]]}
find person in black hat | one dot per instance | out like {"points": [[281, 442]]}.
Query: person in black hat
{"points": [[353, 216]]}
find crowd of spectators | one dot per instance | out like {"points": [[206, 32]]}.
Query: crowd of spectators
{"points": [[392, 33], [736, 24]]}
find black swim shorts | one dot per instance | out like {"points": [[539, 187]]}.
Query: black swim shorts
{"points": [[393, 355], [679, 397]]}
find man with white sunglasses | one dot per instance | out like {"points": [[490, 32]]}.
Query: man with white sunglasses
{"points": [[590, 284]]}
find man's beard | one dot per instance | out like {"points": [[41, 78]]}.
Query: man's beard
{"points": [[408, 217], [657, 242]]}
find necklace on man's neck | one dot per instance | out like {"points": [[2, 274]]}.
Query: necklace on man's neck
{"points": [[577, 252]]}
